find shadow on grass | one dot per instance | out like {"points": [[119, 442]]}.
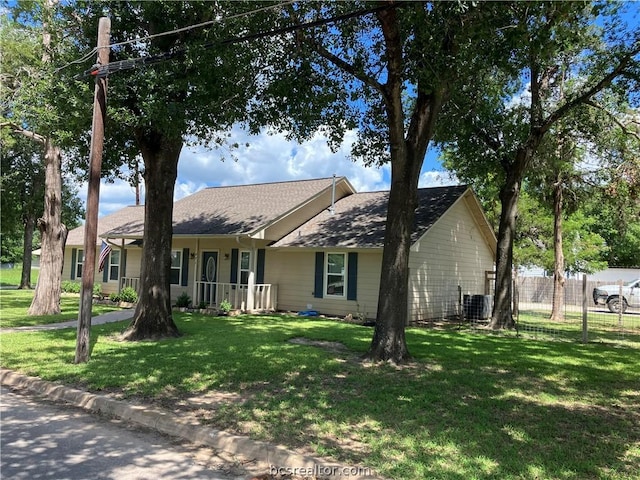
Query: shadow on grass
{"points": [[471, 406]]}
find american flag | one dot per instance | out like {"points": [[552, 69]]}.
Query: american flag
{"points": [[104, 253]]}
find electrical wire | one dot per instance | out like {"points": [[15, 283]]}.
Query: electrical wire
{"points": [[178, 30], [103, 70]]}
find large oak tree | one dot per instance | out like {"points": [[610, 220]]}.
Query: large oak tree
{"points": [[191, 85]]}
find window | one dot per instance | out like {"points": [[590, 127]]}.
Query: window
{"points": [[245, 267], [114, 265], [79, 263], [176, 266], [335, 275]]}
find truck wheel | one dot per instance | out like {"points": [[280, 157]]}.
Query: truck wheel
{"points": [[615, 304]]}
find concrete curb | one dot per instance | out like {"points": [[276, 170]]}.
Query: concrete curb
{"points": [[169, 424]]}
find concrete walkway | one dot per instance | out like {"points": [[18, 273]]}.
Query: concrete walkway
{"points": [[115, 316], [268, 461]]}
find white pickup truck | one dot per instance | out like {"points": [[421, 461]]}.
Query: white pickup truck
{"points": [[609, 295]]}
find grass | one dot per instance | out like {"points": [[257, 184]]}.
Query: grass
{"points": [[12, 276], [470, 406], [14, 305]]}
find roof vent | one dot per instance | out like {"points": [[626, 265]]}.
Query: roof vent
{"points": [[332, 210]]}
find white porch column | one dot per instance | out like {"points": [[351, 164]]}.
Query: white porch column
{"points": [[196, 273], [251, 282]]}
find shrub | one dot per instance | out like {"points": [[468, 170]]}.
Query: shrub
{"points": [[114, 297], [225, 306], [97, 289], [183, 301], [129, 294], [71, 287]]}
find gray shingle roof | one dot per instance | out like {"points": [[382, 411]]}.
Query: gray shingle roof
{"points": [[359, 220], [233, 210], [125, 216]]}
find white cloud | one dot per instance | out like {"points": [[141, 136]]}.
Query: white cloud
{"points": [[436, 178], [265, 158]]}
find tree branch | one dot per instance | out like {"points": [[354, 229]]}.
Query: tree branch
{"points": [[625, 129], [586, 95], [331, 57], [22, 131], [343, 64]]}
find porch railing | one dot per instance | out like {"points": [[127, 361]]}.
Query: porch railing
{"points": [[212, 293], [133, 282]]}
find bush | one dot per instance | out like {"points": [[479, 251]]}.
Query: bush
{"points": [[71, 287], [225, 306], [129, 294], [97, 290], [183, 301]]}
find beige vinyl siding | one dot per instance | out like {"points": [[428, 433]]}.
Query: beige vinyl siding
{"points": [[453, 252], [294, 272], [66, 266]]}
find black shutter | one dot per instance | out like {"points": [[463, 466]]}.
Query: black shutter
{"points": [[184, 281], [260, 267], [122, 271], [352, 276], [319, 276], [234, 266], [105, 272], [74, 252]]}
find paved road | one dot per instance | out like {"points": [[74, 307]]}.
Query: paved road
{"points": [[40, 440]]}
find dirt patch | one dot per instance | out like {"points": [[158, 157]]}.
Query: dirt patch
{"points": [[331, 346]]}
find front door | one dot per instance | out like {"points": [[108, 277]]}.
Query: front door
{"points": [[209, 275]]}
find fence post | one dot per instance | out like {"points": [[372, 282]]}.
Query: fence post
{"points": [[585, 336], [620, 303]]}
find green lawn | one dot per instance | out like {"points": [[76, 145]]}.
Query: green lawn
{"points": [[470, 407], [15, 303], [12, 276]]}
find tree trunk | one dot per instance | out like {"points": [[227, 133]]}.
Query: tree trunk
{"points": [[389, 343], [558, 264], [502, 316], [152, 319], [29, 228], [46, 298]]}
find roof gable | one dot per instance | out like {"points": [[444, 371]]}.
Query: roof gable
{"points": [[359, 220]]}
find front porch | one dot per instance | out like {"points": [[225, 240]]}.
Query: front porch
{"points": [[260, 296]]}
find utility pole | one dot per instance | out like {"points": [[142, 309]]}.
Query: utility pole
{"points": [[93, 196]]}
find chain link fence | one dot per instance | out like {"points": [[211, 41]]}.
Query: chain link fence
{"points": [[586, 310]]}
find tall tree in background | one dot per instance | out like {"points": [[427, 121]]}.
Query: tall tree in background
{"points": [[503, 136], [22, 185], [22, 194], [28, 111]]}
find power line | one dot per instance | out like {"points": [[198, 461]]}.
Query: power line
{"points": [[178, 30], [103, 70]]}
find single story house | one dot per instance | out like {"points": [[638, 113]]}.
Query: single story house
{"points": [[299, 245]]}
